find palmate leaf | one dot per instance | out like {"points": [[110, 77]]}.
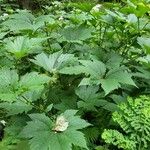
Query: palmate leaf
{"points": [[94, 68], [26, 21], [10, 86], [109, 85], [33, 80], [22, 46], [40, 132], [77, 34], [8, 78], [114, 61], [97, 70], [114, 78], [73, 70], [8, 83], [41, 20], [90, 97], [67, 102], [15, 107], [54, 61], [11, 91], [20, 21], [121, 75]]}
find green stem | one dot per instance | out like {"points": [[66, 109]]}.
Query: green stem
{"points": [[35, 106], [117, 32], [140, 144], [138, 25], [103, 35], [100, 31], [47, 34]]}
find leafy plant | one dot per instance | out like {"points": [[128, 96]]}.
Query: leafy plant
{"points": [[134, 119], [43, 133], [23, 46], [64, 57]]}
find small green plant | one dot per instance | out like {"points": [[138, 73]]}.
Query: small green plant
{"points": [[134, 119]]}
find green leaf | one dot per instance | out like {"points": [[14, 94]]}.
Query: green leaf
{"points": [[73, 70], [8, 78], [75, 121], [142, 73], [90, 97], [109, 85], [2, 34], [94, 68], [121, 75], [10, 96], [22, 145], [8, 84], [40, 132], [33, 80], [75, 34], [41, 20], [22, 46], [54, 61], [114, 61], [144, 42], [20, 21], [131, 18], [114, 78], [8, 143], [32, 94], [16, 107], [67, 102], [49, 107], [26, 21]]}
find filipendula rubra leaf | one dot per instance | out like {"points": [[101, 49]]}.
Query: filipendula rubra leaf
{"points": [[45, 134]]}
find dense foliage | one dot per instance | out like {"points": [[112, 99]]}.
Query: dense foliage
{"points": [[134, 118], [75, 77]]}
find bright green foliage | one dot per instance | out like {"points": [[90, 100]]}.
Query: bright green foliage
{"points": [[118, 139], [134, 119], [8, 143], [54, 62], [22, 46], [42, 136]]}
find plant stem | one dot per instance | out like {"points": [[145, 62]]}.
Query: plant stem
{"points": [[138, 25], [103, 35], [35, 106], [46, 31]]}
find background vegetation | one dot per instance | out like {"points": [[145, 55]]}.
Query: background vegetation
{"points": [[75, 75]]}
